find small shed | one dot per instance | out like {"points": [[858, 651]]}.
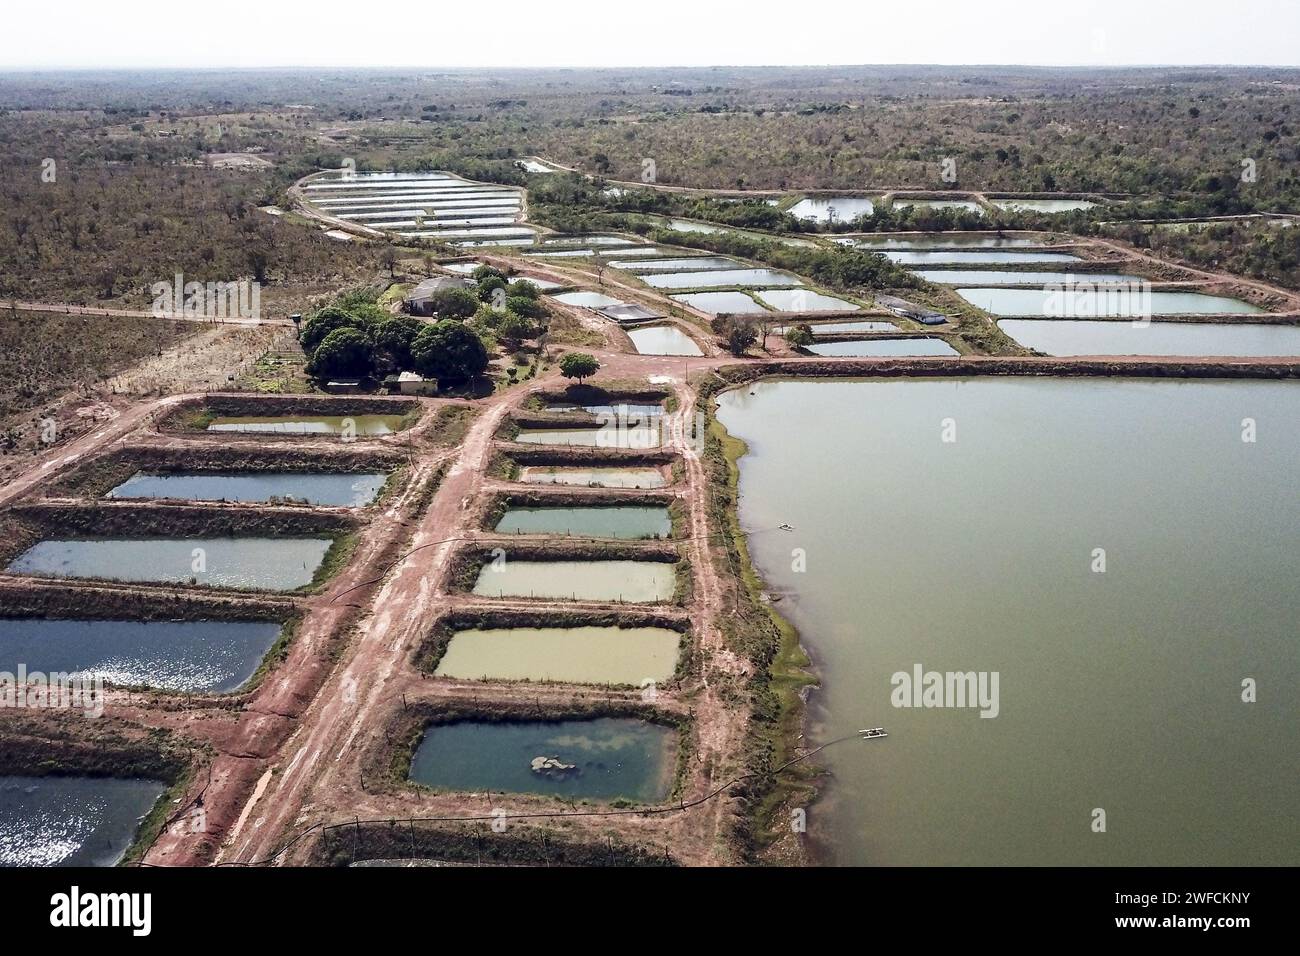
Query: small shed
{"points": [[420, 299], [412, 383], [626, 313], [910, 310]]}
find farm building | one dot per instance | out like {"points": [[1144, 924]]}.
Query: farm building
{"points": [[910, 310], [411, 383], [629, 314]]}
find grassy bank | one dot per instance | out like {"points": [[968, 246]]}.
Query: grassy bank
{"points": [[756, 630]]}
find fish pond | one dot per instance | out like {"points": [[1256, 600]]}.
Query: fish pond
{"points": [[190, 656], [275, 564], [1084, 302], [663, 340], [363, 425], [603, 759], [71, 821], [1081, 337], [639, 582], [593, 477], [343, 490], [597, 521], [864, 348], [579, 655]]}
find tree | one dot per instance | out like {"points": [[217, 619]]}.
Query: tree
{"points": [[394, 336], [513, 329], [578, 365], [454, 303], [526, 307], [320, 324], [344, 351], [486, 272], [388, 258], [799, 335], [524, 288], [488, 286], [449, 352], [738, 333]]}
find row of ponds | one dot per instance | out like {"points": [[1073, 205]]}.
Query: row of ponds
{"points": [[590, 759], [1045, 306], [432, 205], [85, 821], [825, 209]]}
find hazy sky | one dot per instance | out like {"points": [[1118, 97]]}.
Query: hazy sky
{"points": [[438, 33]]}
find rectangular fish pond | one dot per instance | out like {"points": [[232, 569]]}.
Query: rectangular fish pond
{"points": [[1010, 277], [587, 299], [696, 262], [865, 348], [827, 327], [190, 656], [920, 257], [804, 300], [720, 277], [1082, 303], [602, 759], [597, 521], [71, 821], [596, 477], [1073, 337], [316, 488], [720, 303], [576, 655], [833, 208], [663, 340], [360, 425], [938, 240], [620, 410], [275, 564], [610, 435], [638, 582]]}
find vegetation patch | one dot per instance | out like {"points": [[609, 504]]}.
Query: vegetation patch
{"points": [[473, 844]]}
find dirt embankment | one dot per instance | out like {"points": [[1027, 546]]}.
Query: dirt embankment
{"points": [[474, 844], [194, 414], [57, 600], [63, 743]]}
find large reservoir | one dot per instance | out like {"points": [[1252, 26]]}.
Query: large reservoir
{"points": [[1122, 553]]}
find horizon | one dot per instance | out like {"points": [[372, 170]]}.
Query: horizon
{"points": [[558, 68], [1196, 33]]}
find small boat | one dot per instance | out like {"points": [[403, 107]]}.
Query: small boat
{"points": [[872, 732]]}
